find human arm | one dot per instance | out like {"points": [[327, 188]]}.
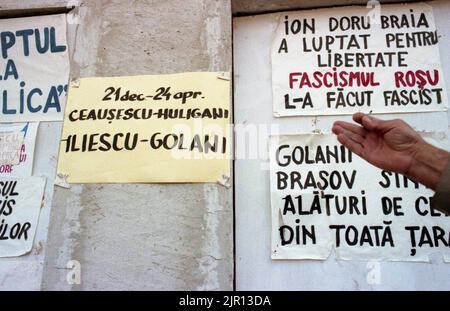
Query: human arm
{"points": [[394, 146]]}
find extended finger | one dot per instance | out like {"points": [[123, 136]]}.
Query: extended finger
{"points": [[351, 127], [350, 144], [371, 123], [338, 130], [357, 117]]}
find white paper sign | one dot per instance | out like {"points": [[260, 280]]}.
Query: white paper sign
{"points": [[349, 59], [325, 197], [28, 133], [20, 205], [10, 146], [34, 68]]}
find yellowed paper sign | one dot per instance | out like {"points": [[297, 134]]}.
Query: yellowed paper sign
{"points": [[158, 128]]}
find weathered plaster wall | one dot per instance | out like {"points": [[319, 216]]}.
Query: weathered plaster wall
{"points": [[134, 237]]}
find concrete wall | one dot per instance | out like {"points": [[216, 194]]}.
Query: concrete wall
{"points": [[132, 237]]}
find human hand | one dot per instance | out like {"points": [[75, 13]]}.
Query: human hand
{"points": [[390, 145]]}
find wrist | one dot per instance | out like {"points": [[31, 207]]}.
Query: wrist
{"points": [[416, 165], [428, 163], [420, 150]]}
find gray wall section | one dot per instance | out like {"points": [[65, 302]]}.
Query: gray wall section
{"points": [[140, 237], [145, 237]]}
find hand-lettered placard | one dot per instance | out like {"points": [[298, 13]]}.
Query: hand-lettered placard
{"points": [[10, 146], [23, 152], [20, 206], [343, 60], [34, 68], [160, 128], [325, 197]]}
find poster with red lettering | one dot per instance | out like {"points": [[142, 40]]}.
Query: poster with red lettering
{"points": [[379, 59], [17, 142]]}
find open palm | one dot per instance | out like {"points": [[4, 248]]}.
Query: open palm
{"points": [[389, 145]]}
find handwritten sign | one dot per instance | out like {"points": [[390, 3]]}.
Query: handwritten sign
{"points": [[162, 128], [34, 68], [349, 59], [20, 205], [22, 149], [10, 146], [325, 197]]}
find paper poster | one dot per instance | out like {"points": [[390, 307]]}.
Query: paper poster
{"points": [[344, 60], [325, 198], [10, 146], [20, 205], [23, 136], [34, 68], [160, 128]]}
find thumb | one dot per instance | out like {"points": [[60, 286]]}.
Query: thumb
{"points": [[370, 123]]}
